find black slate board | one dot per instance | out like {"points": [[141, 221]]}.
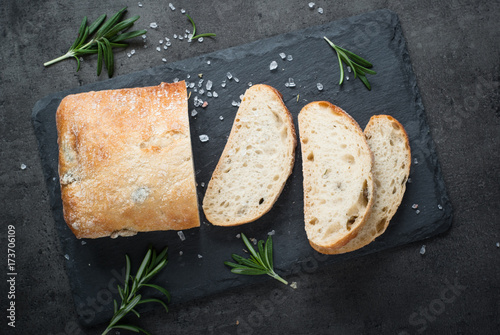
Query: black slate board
{"points": [[94, 267]]}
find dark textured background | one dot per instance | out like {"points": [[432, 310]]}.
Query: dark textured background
{"points": [[454, 47]]}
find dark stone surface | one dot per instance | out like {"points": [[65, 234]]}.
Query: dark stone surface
{"points": [[452, 288]]}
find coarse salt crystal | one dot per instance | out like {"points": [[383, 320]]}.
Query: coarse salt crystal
{"points": [[208, 85], [139, 4], [83, 242], [181, 253], [282, 55], [415, 161], [160, 41], [238, 235], [153, 25], [202, 184], [200, 256], [346, 77], [171, 6], [215, 94], [417, 211], [221, 118], [158, 49], [320, 10], [168, 43], [289, 58], [349, 69], [209, 62], [293, 285], [181, 38], [498, 244], [414, 206], [181, 235], [440, 207], [311, 5], [175, 35], [290, 83], [200, 39], [132, 51], [229, 75], [66, 256], [271, 233], [236, 79], [194, 112], [422, 250], [273, 66], [235, 103], [183, 11], [204, 138], [23, 166], [250, 83], [201, 91], [165, 47], [209, 94], [319, 86]]}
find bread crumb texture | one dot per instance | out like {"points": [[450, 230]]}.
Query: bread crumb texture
{"points": [[338, 183], [256, 161], [125, 161], [392, 160]]}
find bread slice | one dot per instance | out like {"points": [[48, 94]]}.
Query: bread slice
{"points": [[338, 184], [392, 160], [125, 162], [256, 161]]}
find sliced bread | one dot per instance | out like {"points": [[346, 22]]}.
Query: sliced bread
{"points": [[392, 160], [338, 183], [256, 161]]}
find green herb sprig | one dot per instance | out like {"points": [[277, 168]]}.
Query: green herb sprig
{"points": [[259, 263], [107, 36], [194, 36], [359, 66], [150, 266]]}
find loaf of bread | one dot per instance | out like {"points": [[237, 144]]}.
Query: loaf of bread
{"points": [[392, 160], [337, 170], [256, 161], [125, 161]]}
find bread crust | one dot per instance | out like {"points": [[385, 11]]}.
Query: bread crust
{"points": [[214, 184], [309, 207], [125, 161]]}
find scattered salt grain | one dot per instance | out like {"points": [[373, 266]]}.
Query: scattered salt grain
{"points": [[200, 256], [181, 235], [83, 242], [171, 6], [168, 43], [417, 211], [250, 84], [191, 85], [194, 112], [215, 94], [254, 240], [176, 80], [221, 118], [200, 39], [153, 25], [223, 84], [139, 4], [320, 10], [235, 103], [346, 77], [175, 36], [165, 47], [241, 96], [349, 69], [440, 207], [23, 166], [201, 91], [293, 285], [181, 38], [414, 206], [208, 85], [183, 11], [132, 51], [158, 49], [160, 41], [409, 181], [181, 253], [66, 256], [422, 250], [229, 75], [319, 86], [238, 235], [282, 55], [290, 83], [202, 184], [289, 58], [271, 233], [209, 62], [311, 5], [273, 66], [209, 94], [236, 80], [415, 161], [204, 138], [144, 36], [498, 244]]}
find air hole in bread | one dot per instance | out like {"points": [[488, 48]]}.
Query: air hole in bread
{"points": [[259, 152], [305, 140], [349, 159], [276, 177], [249, 147], [227, 170], [310, 157], [259, 166], [261, 201], [403, 181], [395, 125], [391, 142], [350, 222], [365, 194], [222, 203], [394, 190], [384, 209], [313, 221], [381, 225], [343, 146], [245, 164]]}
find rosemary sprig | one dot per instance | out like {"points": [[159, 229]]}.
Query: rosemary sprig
{"points": [[359, 66], [107, 36], [150, 266], [259, 263], [194, 36]]}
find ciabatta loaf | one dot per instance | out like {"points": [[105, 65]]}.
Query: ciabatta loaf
{"points": [[256, 161], [392, 160], [337, 169], [125, 162]]}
